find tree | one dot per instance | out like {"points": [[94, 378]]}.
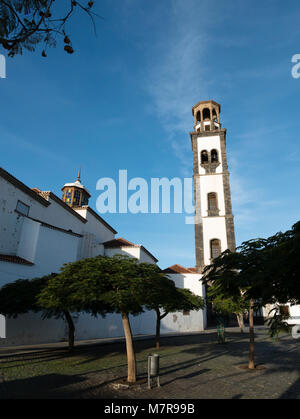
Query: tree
{"points": [[164, 297], [57, 298], [230, 305], [236, 274], [109, 284], [264, 271], [23, 296], [19, 297], [26, 23]]}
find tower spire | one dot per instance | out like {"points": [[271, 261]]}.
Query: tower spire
{"points": [[75, 194], [79, 174]]}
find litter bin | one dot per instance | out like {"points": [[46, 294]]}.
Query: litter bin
{"points": [[153, 369]]}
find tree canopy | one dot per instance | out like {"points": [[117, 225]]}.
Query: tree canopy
{"points": [[262, 271]]}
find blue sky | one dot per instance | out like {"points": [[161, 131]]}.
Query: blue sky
{"points": [[124, 100]]}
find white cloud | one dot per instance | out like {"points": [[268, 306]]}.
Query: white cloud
{"points": [[176, 76]]}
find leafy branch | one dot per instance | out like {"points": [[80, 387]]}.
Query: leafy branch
{"points": [[26, 23]]}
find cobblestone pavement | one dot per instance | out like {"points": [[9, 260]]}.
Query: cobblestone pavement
{"points": [[191, 367]]}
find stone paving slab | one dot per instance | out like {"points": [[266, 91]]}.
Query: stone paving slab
{"points": [[191, 367]]}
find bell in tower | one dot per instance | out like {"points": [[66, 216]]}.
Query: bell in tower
{"points": [[75, 194], [207, 116]]}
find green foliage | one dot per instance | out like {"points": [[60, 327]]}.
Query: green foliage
{"points": [[99, 285], [226, 306], [162, 294], [278, 322], [20, 297]]}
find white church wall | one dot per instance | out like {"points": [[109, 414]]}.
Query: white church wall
{"points": [[53, 249], [28, 239], [145, 257], [294, 314], [195, 320], [208, 144], [9, 196], [212, 183], [94, 226], [60, 217], [126, 251], [214, 228]]}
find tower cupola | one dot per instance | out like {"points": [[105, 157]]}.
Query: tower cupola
{"points": [[75, 194], [207, 116]]}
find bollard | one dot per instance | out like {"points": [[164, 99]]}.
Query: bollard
{"points": [[153, 369]]}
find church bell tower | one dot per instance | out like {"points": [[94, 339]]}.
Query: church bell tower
{"points": [[214, 226]]}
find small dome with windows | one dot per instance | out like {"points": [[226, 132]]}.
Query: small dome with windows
{"points": [[75, 194]]}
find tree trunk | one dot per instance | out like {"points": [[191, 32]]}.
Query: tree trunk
{"points": [[70, 322], [131, 362], [157, 346], [240, 319], [251, 364]]}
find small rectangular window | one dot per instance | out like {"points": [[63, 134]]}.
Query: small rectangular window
{"points": [[186, 313], [22, 208]]}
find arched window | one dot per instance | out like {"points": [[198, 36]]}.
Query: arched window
{"points": [[76, 200], [206, 114], [204, 156], [198, 117], [212, 201], [215, 248], [214, 156], [214, 115]]}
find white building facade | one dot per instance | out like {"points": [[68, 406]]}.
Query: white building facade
{"points": [[39, 232]]}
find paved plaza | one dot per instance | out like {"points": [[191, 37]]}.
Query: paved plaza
{"points": [[191, 367]]}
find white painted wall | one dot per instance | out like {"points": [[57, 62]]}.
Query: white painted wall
{"points": [[2, 327], [196, 320], [28, 241], [94, 226], [213, 228], [211, 183], [209, 143]]}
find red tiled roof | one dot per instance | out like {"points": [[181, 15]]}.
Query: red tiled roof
{"points": [[178, 269], [14, 259]]}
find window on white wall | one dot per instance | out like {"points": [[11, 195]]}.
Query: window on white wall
{"points": [[22, 208], [215, 248], [214, 156], [212, 204]]}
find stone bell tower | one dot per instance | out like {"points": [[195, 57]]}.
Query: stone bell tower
{"points": [[214, 227]]}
